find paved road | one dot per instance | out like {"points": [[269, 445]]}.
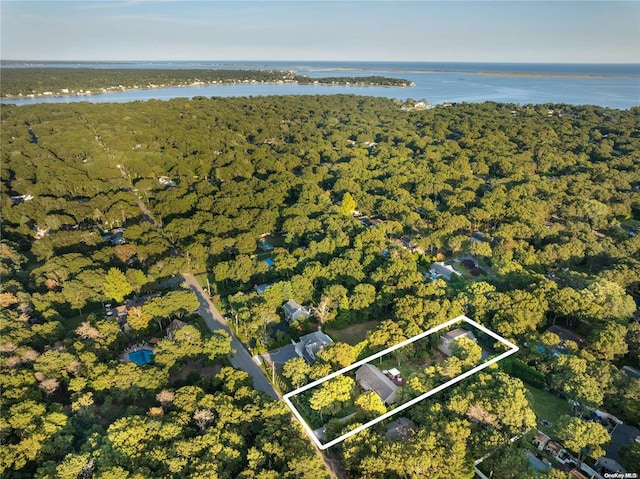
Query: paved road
{"points": [[214, 320]]}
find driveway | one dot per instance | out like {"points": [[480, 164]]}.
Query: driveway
{"points": [[214, 320], [281, 355]]}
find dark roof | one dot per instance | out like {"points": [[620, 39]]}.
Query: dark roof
{"points": [[400, 429], [373, 378], [631, 372], [565, 334], [622, 435]]}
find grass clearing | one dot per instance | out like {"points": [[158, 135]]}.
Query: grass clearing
{"points": [[352, 334], [548, 406]]}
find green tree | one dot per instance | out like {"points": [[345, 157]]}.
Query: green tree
{"points": [[370, 404], [584, 438], [116, 286], [297, 371], [348, 205]]}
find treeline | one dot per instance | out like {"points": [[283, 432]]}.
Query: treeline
{"points": [[75, 81], [555, 189]]}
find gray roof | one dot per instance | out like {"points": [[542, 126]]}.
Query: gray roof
{"points": [[565, 334], [400, 429], [292, 306], [631, 372], [372, 378], [443, 269], [311, 344], [622, 435], [459, 333]]}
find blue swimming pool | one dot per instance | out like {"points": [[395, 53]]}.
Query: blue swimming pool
{"points": [[537, 463], [141, 356]]}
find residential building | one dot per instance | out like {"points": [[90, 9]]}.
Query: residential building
{"points": [[371, 378], [443, 269], [451, 336], [311, 344], [294, 311], [400, 429]]}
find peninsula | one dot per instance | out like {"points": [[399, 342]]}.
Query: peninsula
{"points": [[31, 82]]}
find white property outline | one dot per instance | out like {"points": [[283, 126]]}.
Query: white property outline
{"points": [[513, 349]]}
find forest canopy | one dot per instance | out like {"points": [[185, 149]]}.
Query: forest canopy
{"points": [[351, 199]]}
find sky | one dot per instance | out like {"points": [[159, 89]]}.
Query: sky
{"points": [[456, 31]]}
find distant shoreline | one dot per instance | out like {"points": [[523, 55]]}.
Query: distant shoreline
{"points": [[108, 90], [36, 82]]}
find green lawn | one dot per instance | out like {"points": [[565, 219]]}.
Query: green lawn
{"points": [[352, 334], [548, 406]]}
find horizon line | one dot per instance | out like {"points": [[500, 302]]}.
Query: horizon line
{"points": [[322, 61]]}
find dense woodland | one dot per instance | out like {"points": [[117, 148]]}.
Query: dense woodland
{"points": [[76, 81], [555, 189]]}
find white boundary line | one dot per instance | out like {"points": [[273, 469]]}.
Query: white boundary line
{"points": [[513, 349]]}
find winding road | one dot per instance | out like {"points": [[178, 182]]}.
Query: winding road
{"points": [[214, 320]]}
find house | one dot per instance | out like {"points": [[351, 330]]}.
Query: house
{"points": [[479, 237], [443, 269], [21, 199], [261, 288], [174, 326], [631, 372], [371, 378], [311, 344], [541, 440], [565, 334], [165, 181], [400, 429], [294, 311], [455, 335]]}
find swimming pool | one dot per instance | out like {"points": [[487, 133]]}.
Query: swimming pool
{"points": [[537, 463], [141, 356]]}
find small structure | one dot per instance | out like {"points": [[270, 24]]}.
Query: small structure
{"points": [[443, 269], [541, 440], [479, 237], [165, 181], [294, 311], [174, 326], [372, 379], [400, 429], [455, 335], [311, 344]]}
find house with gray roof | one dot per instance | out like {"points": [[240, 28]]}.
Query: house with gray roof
{"points": [[311, 344], [451, 336], [294, 311], [400, 430], [445, 270], [371, 378]]}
